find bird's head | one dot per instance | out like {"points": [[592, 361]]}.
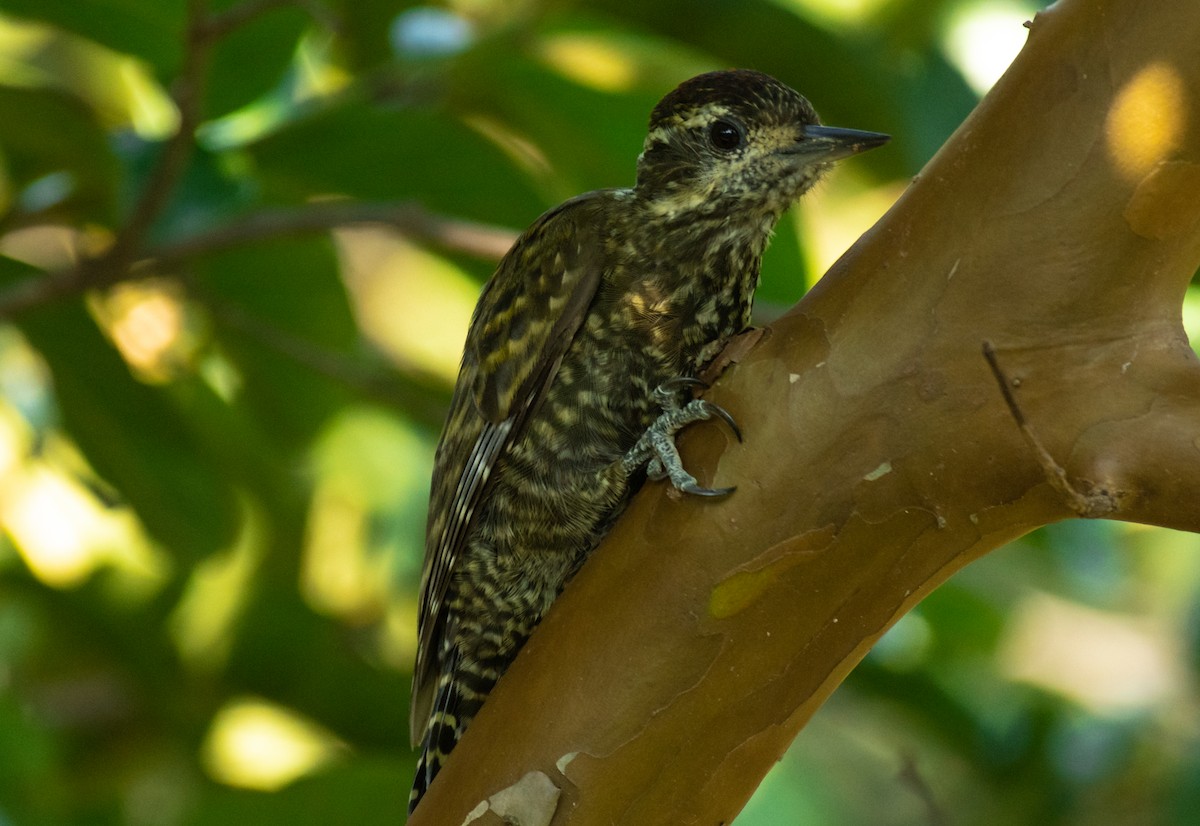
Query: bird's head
{"points": [[737, 143]]}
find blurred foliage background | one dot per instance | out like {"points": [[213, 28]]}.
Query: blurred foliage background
{"points": [[215, 443]]}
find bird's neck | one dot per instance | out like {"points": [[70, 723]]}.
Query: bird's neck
{"points": [[706, 265], [690, 220], [707, 249]]}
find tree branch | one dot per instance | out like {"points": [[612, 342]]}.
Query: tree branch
{"points": [[1092, 507], [188, 94], [1062, 222], [370, 377], [482, 241], [127, 258]]}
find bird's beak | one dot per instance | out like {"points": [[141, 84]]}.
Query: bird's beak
{"points": [[831, 143]]}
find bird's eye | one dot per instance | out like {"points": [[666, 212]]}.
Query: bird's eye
{"points": [[725, 136]]}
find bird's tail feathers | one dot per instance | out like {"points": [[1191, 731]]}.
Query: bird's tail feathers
{"points": [[461, 690]]}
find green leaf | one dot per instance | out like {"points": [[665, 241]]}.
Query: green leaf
{"points": [[364, 792], [590, 138], [364, 27], [150, 29], [782, 281], [370, 151], [44, 133], [284, 651], [252, 60], [211, 193], [29, 784], [281, 313], [132, 433]]}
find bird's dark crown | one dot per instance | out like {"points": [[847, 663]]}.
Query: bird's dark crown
{"points": [[751, 94], [715, 144]]}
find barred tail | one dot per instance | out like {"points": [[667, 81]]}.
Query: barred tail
{"points": [[461, 690]]}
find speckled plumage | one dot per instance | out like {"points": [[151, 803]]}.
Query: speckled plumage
{"points": [[601, 301]]}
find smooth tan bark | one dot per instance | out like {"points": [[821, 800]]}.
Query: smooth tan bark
{"points": [[1061, 223]]}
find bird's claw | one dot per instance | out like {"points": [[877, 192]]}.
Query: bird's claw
{"points": [[665, 393], [656, 448], [723, 414], [697, 490]]}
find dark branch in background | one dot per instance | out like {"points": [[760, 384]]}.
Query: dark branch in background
{"points": [[127, 258], [368, 374], [481, 241], [188, 94], [130, 258], [910, 777], [204, 31]]}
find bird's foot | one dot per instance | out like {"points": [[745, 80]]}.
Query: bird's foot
{"points": [[656, 447]]}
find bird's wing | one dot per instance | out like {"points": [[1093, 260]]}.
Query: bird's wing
{"points": [[524, 322]]}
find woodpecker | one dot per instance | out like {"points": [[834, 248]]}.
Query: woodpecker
{"points": [[578, 370]]}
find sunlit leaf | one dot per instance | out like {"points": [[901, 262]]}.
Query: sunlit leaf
{"points": [[252, 59], [132, 435], [150, 29]]}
